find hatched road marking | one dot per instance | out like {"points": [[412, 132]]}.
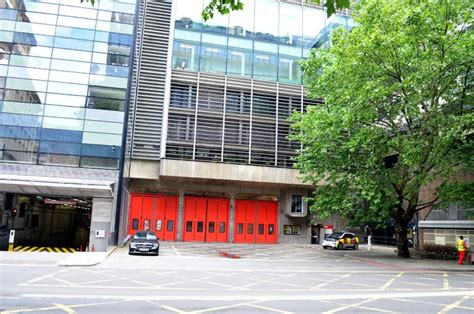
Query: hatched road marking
{"points": [[36, 249]]}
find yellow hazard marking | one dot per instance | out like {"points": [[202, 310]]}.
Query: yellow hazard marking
{"points": [[10, 247], [37, 249]]}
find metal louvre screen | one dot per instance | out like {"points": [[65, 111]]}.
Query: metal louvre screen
{"points": [[153, 39], [228, 119]]}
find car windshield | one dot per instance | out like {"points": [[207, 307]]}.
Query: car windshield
{"points": [[336, 235], [145, 235]]}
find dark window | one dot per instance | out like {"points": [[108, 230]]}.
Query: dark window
{"points": [[271, 229], [250, 228], [135, 224], [189, 226], [34, 221], [240, 228], [292, 230], [261, 228], [158, 224], [297, 203], [222, 227], [22, 96], [169, 225], [211, 227], [200, 226]]}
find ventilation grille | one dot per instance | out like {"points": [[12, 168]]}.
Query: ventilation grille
{"points": [[154, 32], [235, 120]]}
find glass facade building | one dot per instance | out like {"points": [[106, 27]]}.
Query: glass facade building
{"points": [[264, 41], [64, 69]]}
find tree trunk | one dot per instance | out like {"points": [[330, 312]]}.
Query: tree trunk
{"points": [[402, 240]]}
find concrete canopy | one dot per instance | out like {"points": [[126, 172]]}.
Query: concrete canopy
{"points": [[56, 186]]}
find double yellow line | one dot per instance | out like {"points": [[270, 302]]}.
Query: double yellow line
{"points": [[53, 249]]}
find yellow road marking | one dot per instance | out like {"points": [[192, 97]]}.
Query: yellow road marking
{"points": [[72, 250], [64, 250], [49, 249], [24, 249], [41, 249], [32, 249], [57, 250], [445, 281], [65, 308], [454, 305], [18, 247]]}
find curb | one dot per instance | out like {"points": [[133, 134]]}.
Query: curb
{"points": [[87, 264], [374, 262]]}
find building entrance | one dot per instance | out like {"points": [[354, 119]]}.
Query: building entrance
{"points": [[158, 213], [43, 223], [205, 219], [255, 221]]}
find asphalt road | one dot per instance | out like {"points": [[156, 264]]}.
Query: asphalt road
{"points": [[198, 278]]}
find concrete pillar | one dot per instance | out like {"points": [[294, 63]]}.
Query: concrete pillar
{"points": [[101, 224], [179, 232], [231, 218]]}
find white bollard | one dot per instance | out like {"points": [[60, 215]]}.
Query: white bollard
{"points": [[369, 243]]}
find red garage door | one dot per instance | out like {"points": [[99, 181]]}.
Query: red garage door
{"points": [[255, 221], [205, 219], [154, 212]]}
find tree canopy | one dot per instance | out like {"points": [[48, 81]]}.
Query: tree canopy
{"points": [[226, 6], [397, 112]]}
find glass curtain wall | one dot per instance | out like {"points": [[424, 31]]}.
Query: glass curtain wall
{"points": [[64, 69], [263, 41]]}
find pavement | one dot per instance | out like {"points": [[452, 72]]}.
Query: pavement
{"points": [[196, 277], [382, 256]]}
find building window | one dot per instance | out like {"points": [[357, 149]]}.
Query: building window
{"points": [[297, 204], [292, 230], [135, 224], [169, 225], [158, 224]]}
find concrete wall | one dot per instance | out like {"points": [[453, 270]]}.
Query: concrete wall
{"points": [[102, 213]]}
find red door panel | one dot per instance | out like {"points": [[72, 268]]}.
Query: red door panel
{"points": [[147, 213], [272, 218], [189, 218], [159, 221], [200, 219], [135, 213], [261, 222], [222, 220], [250, 215], [170, 218], [212, 223]]}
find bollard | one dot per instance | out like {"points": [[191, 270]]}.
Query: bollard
{"points": [[11, 240], [369, 243]]}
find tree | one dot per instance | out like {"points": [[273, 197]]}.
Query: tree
{"points": [[226, 6], [397, 112]]}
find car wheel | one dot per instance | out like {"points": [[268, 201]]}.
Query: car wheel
{"points": [[356, 246], [130, 253], [325, 247], [340, 246]]}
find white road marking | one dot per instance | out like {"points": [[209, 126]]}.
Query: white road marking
{"points": [[385, 286], [175, 250], [47, 276], [267, 308], [466, 275], [173, 309], [453, 305], [330, 281], [430, 303], [342, 308], [423, 278]]}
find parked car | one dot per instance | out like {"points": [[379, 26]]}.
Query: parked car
{"points": [[341, 240], [144, 242]]}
